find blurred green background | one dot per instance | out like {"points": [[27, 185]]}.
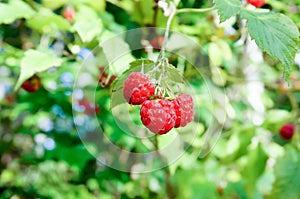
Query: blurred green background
{"points": [[41, 154]]}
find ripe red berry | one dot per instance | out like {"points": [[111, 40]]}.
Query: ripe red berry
{"points": [[32, 84], [256, 3], [158, 115], [69, 13], [287, 131], [138, 88], [157, 42], [184, 108]]}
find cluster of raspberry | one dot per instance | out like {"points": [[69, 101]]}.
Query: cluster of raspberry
{"points": [[159, 115]]}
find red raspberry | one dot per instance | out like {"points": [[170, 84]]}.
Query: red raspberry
{"points": [[138, 88], [32, 84], [256, 3], [158, 115], [287, 131], [184, 108], [69, 13], [157, 42]]}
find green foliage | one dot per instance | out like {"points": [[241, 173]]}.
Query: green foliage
{"points": [[275, 33], [254, 168], [13, 10], [53, 4], [35, 61], [50, 140], [228, 8], [46, 21], [287, 174], [88, 25]]}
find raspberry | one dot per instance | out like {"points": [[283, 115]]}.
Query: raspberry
{"points": [[157, 42], [287, 131], [32, 84], [256, 3], [184, 108], [158, 115], [69, 13], [138, 88]]}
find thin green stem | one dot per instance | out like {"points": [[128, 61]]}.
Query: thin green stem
{"points": [[174, 11], [166, 36], [169, 187]]}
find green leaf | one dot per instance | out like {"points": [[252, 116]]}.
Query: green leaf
{"points": [[236, 146], [219, 51], [254, 168], [274, 33], [140, 62], [53, 5], [87, 24], [228, 8], [173, 74], [138, 10], [118, 54], [46, 21], [35, 61], [13, 10], [287, 175], [97, 4]]}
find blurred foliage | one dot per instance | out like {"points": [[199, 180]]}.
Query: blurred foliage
{"points": [[41, 154]]}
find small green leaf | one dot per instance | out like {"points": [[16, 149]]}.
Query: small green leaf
{"points": [[173, 74], [256, 162], [287, 175], [15, 9], [87, 24], [215, 54], [274, 33], [35, 61], [140, 62], [219, 76], [219, 51], [46, 21], [228, 8]]}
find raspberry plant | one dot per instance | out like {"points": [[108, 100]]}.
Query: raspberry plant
{"points": [[247, 49]]}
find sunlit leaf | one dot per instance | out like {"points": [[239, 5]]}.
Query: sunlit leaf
{"points": [[35, 61], [46, 21], [15, 9]]}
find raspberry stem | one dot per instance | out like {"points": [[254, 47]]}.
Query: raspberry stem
{"points": [[162, 61], [166, 36]]}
